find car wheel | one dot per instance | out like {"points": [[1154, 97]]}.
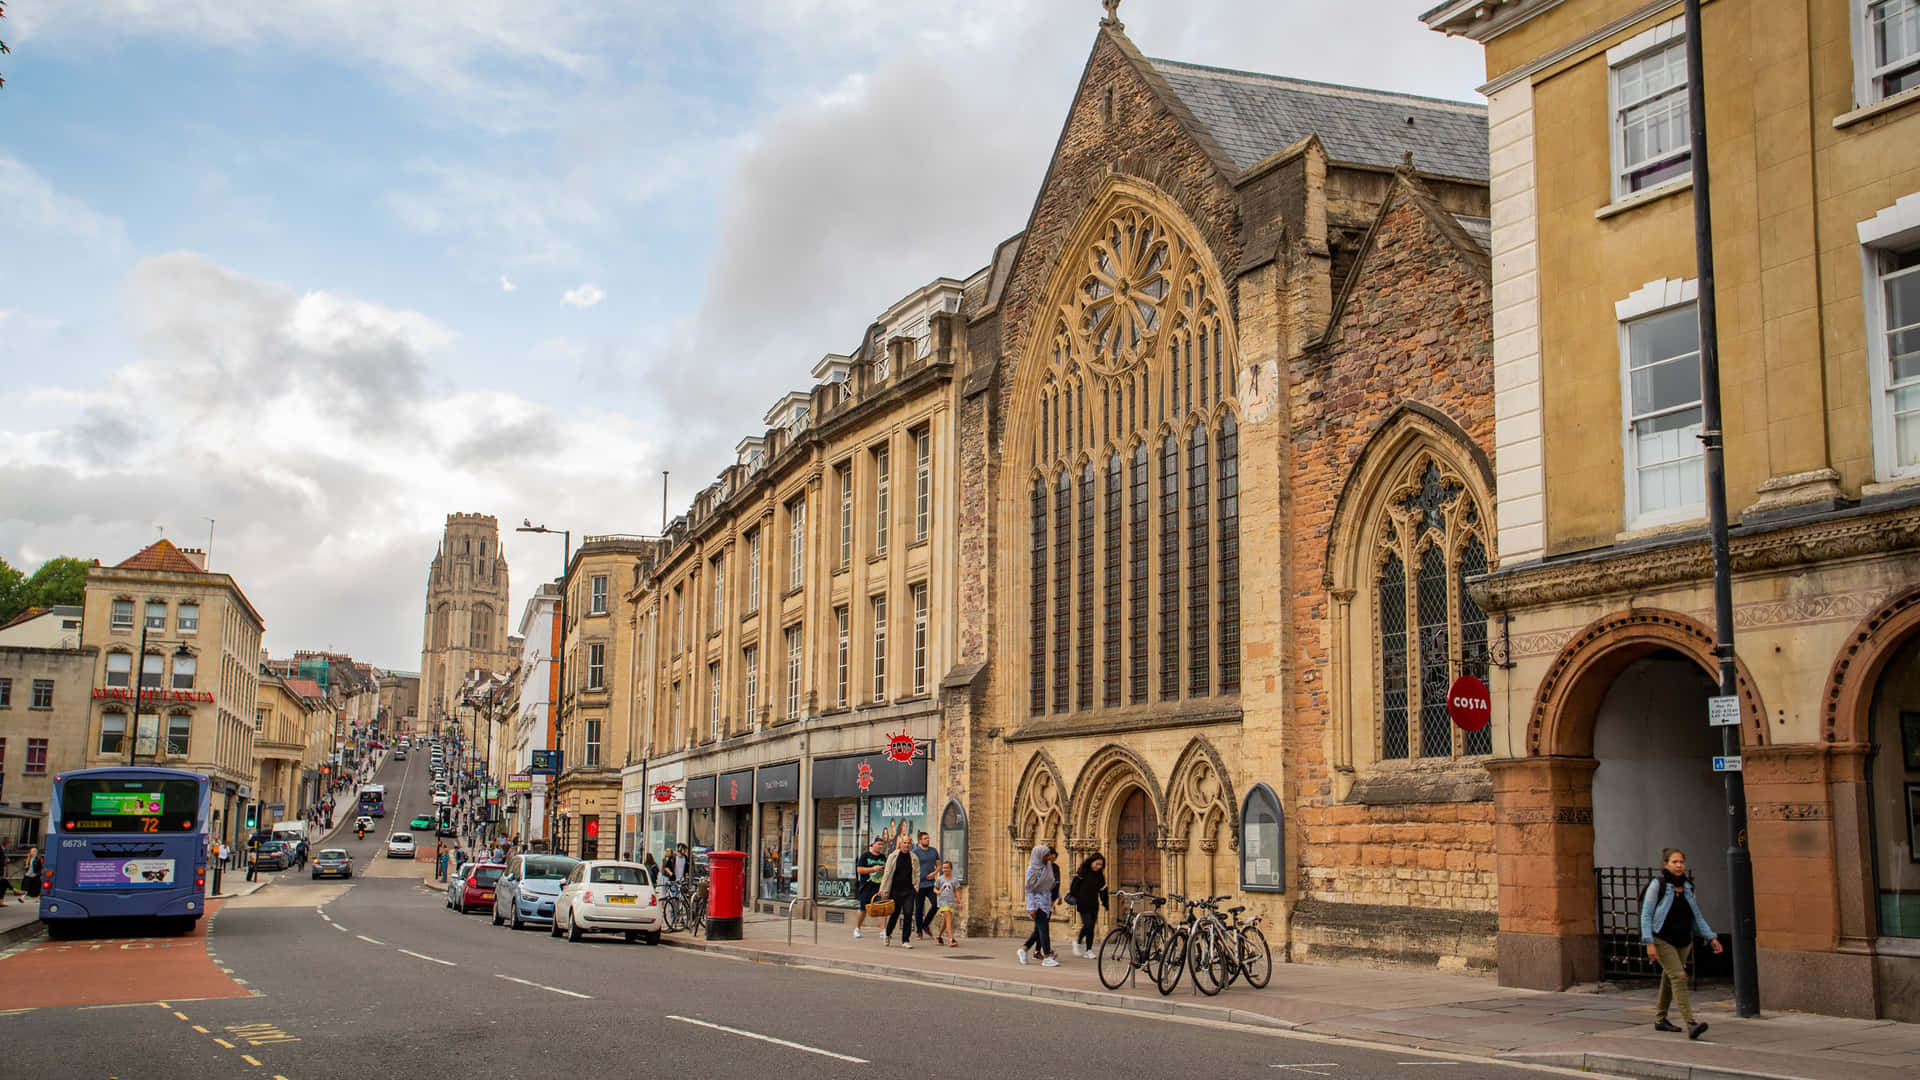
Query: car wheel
{"points": [[517, 924], [653, 937], [496, 916], [573, 931], [633, 936]]}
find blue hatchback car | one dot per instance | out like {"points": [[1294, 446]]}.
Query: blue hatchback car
{"points": [[524, 895]]}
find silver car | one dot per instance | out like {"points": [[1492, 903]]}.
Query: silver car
{"points": [[526, 892]]}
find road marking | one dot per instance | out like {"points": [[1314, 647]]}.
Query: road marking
{"points": [[342, 929], [369, 940], [223, 1042], [424, 956], [1313, 1067], [250, 1059], [1430, 1063], [770, 1039], [201, 1030], [179, 1014], [543, 986]]}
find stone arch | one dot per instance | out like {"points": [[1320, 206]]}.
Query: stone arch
{"points": [[1411, 427], [1040, 804], [1573, 686], [1850, 683], [1111, 768], [1201, 787]]}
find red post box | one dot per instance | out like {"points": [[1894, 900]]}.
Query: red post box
{"points": [[726, 891]]}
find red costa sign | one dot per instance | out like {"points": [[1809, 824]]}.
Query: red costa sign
{"points": [[1469, 703], [593, 828], [663, 793], [150, 694]]}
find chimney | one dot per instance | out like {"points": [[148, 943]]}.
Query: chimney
{"points": [[197, 556]]}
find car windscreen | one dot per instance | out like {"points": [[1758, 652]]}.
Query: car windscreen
{"points": [[548, 867], [403, 838], [487, 875], [331, 855], [619, 875]]}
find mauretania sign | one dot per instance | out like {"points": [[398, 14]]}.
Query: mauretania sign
{"points": [[151, 694]]}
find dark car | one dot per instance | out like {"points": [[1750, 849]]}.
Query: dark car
{"points": [[474, 889], [332, 862], [274, 855]]}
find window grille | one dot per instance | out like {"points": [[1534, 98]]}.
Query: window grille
{"points": [[1436, 730], [1199, 606], [1169, 570], [1473, 638]]}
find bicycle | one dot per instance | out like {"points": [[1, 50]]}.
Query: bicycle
{"points": [[1133, 944], [1174, 946], [1252, 958], [1223, 951]]}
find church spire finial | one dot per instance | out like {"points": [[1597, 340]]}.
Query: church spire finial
{"points": [[1112, 21]]}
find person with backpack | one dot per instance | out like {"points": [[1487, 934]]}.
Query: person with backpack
{"points": [[1669, 919], [1086, 895]]}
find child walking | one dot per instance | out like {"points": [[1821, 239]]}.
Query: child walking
{"points": [[943, 888]]}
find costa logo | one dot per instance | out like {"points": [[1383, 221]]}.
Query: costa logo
{"points": [[1469, 704]]}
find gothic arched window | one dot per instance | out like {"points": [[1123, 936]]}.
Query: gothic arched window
{"points": [[1229, 522], [1430, 632], [1169, 569], [1083, 644], [1110, 596], [1062, 589], [1039, 597], [1199, 564], [1137, 579]]}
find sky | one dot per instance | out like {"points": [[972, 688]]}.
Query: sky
{"points": [[308, 276]]}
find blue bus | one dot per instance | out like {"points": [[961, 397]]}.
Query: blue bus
{"points": [[126, 843], [373, 800]]}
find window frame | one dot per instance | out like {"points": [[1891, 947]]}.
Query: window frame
{"points": [[42, 698], [193, 669], [184, 623], [750, 680], [922, 482], [6, 692], [1650, 300], [1867, 75], [713, 698], [119, 608], [36, 760], [186, 741], [843, 477], [877, 607], [598, 604], [590, 743], [596, 665], [155, 622], [1276, 882], [796, 542], [717, 568], [120, 737], [843, 657], [882, 458], [753, 570], [1659, 39], [917, 594], [1892, 232], [795, 660]]}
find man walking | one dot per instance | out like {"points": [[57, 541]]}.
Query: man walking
{"points": [[926, 899]]}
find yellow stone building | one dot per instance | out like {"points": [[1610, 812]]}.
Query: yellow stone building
{"points": [[801, 615], [199, 676], [1602, 594], [467, 622], [292, 733], [596, 702]]}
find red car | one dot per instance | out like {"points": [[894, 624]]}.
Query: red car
{"points": [[476, 889]]}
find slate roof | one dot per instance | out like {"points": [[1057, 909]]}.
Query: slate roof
{"points": [[161, 555], [1479, 228], [1252, 116]]}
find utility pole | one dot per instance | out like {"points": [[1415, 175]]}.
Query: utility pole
{"points": [[1746, 981]]}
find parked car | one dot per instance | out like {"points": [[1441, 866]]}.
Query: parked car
{"points": [[399, 754], [400, 846], [525, 893], [332, 862], [475, 886], [273, 855], [421, 823], [605, 896]]}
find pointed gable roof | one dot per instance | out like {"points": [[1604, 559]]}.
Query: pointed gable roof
{"points": [[1460, 233], [1251, 116], [161, 555]]}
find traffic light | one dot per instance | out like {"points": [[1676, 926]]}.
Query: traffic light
{"points": [[253, 816]]}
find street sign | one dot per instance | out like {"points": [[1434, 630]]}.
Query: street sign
{"points": [[1726, 764], [545, 763], [520, 782], [1723, 711], [1469, 703]]}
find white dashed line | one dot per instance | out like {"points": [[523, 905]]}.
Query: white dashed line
{"points": [[543, 986], [770, 1039], [424, 956], [369, 940]]}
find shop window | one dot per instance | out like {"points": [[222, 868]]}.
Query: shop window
{"points": [[1263, 843], [953, 838], [113, 734], [779, 854]]}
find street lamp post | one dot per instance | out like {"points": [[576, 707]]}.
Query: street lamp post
{"points": [[559, 652]]}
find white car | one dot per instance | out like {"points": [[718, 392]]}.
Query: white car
{"points": [[605, 896], [363, 822], [400, 846]]}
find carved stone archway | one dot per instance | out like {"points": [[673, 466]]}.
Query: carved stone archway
{"points": [[1200, 792]]}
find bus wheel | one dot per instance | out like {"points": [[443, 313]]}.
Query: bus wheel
{"points": [[184, 925], [61, 929]]}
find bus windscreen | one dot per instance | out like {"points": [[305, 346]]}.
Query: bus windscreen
{"points": [[130, 805]]}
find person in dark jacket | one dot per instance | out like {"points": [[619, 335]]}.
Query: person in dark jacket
{"points": [[1088, 894], [900, 883], [1669, 919]]}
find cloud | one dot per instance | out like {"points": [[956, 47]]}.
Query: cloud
{"points": [[505, 285], [328, 436], [587, 295], [29, 204]]}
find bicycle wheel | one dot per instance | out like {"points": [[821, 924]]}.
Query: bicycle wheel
{"points": [[1203, 959], [1171, 960], [1256, 962], [1116, 957]]}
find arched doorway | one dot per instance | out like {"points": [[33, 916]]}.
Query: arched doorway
{"points": [[1893, 793], [1655, 788], [1136, 852]]}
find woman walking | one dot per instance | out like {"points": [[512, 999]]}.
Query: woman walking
{"points": [[1087, 892], [900, 883], [1669, 918], [1043, 888]]}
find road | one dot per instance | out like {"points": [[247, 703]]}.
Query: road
{"points": [[307, 980]]}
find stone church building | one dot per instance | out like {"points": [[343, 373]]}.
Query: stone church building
{"points": [[1225, 437], [467, 624]]}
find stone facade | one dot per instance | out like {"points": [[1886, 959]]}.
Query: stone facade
{"points": [[466, 612], [1603, 589], [596, 697], [44, 707]]}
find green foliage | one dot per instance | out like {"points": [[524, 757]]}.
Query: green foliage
{"points": [[61, 580], [12, 592]]}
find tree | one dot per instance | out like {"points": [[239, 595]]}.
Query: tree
{"points": [[12, 592], [3, 45], [61, 580]]}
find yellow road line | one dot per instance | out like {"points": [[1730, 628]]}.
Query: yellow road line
{"points": [[248, 1058], [201, 1030], [223, 1042], [179, 1014]]}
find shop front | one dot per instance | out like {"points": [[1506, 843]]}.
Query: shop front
{"points": [[700, 815], [733, 830], [776, 793], [633, 816], [665, 801], [857, 798]]}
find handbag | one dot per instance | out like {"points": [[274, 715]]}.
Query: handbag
{"points": [[880, 909]]}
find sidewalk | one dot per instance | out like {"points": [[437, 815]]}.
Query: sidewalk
{"points": [[1610, 1032]]}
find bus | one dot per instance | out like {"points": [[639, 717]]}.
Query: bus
{"points": [[373, 800], [126, 843]]}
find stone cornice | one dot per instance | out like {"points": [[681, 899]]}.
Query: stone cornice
{"points": [[1689, 560]]}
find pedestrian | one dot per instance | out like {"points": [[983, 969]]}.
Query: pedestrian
{"points": [[682, 862], [4, 883], [1669, 918], [30, 881], [253, 862], [926, 903], [945, 887], [653, 868], [866, 873], [1043, 888], [1086, 895], [899, 882]]}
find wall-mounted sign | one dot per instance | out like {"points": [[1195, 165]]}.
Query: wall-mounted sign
{"points": [[1469, 703], [1723, 710], [777, 783], [664, 793], [150, 694], [1727, 764], [736, 788], [520, 782], [545, 763], [700, 792]]}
